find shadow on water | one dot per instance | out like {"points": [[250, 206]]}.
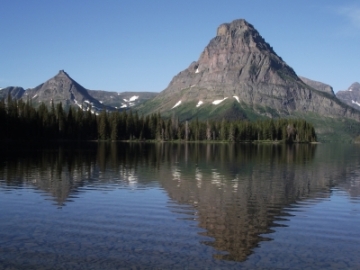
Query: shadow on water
{"points": [[238, 191]]}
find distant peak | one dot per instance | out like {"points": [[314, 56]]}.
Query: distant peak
{"points": [[354, 87]]}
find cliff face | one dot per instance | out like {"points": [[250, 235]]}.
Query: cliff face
{"points": [[351, 96], [239, 66]]}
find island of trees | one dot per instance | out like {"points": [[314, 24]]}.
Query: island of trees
{"points": [[20, 121]]}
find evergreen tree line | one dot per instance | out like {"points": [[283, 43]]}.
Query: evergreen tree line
{"points": [[21, 121]]}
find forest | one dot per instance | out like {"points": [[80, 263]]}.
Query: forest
{"points": [[21, 121]]}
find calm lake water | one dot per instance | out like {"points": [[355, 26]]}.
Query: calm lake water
{"points": [[180, 206]]}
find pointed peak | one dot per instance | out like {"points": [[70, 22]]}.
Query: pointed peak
{"points": [[240, 33], [62, 72]]}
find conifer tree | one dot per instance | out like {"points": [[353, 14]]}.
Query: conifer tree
{"points": [[103, 126]]}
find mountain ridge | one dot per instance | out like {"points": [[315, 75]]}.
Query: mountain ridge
{"points": [[238, 74], [62, 88]]}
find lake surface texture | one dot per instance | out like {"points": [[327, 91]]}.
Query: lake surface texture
{"points": [[180, 206]]}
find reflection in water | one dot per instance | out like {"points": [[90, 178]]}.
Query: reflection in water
{"points": [[238, 192]]}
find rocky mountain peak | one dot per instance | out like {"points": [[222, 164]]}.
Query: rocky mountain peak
{"points": [[62, 73], [63, 76], [234, 61], [355, 87], [238, 54], [351, 96], [242, 31], [239, 71], [62, 88], [234, 28]]}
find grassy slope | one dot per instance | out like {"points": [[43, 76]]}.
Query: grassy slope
{"points": [[327, 129], [333, 129]]}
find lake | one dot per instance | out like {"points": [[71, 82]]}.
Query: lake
{"points": [[179, 206]]}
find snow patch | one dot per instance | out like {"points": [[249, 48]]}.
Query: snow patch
{"points": [[133, 98], [124, 99], [197, 70], [237, 98], [123, 106], [199, 103], [355, 102], [218, 101], [177, 104], [35, 96]]}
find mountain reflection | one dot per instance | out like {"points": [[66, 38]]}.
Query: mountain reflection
{"points": [[238, 191]]}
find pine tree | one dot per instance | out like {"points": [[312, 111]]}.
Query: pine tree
{"points": [[114, 125], [103, 126], [223, 130], [231, 136]]}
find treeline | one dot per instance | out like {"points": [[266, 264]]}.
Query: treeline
{"points": [[21, 121]]}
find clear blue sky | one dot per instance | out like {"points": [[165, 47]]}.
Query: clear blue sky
{"points": [[120, 45]]}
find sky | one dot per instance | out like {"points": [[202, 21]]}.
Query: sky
{"points": [[121, 45]]}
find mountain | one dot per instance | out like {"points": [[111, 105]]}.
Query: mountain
{"points": [[239, 75], [122, 100], [15, 92], [351, 96], [62, 88], [318, 85]]}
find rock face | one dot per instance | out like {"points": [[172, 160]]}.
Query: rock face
{"points": [[351, 96], [239, 69], [318, 85]]}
